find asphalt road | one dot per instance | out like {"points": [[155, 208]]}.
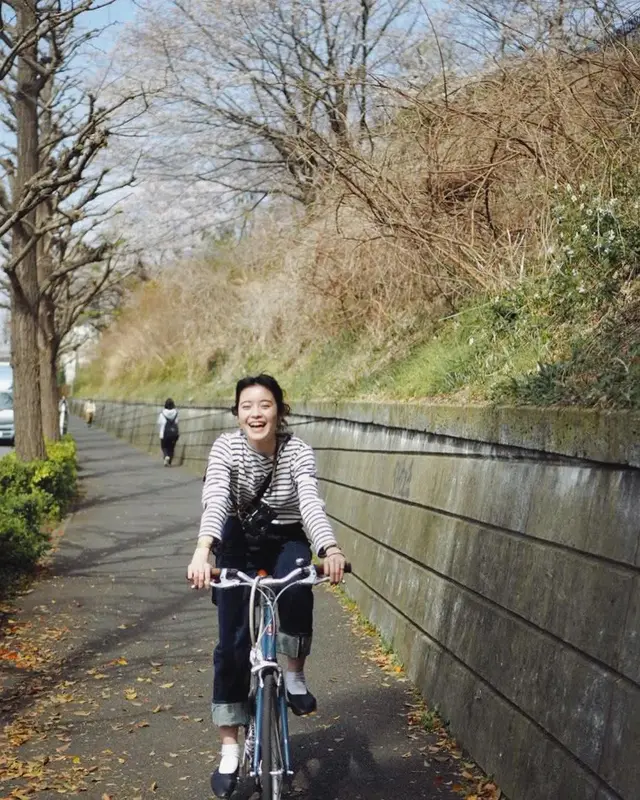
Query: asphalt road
{"points": [[119, 705]]}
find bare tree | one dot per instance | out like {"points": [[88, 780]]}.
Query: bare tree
{"points": [[495, 29], [48, 187], [23, 275], [250, 89]]}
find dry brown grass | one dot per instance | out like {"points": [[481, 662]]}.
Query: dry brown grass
{"points": [[454, 201]]}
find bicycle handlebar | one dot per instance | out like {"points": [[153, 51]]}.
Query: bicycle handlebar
{"points": [[313, 571]]}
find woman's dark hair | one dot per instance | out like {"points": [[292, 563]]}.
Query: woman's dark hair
{"points": [[269, 383], [168, 403]]}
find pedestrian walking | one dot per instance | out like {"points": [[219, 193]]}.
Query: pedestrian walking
{"points": [[63, 415], [168, 430], [89, 412]]}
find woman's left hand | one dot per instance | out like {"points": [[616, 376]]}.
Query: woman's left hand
{"points": [[334, 562]]}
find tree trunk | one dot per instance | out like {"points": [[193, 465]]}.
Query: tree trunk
{"points": [[24, 282], [47, 340], [49, 395]]}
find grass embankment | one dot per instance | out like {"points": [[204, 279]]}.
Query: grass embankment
{"points": [[488, 251], [33, 497]]}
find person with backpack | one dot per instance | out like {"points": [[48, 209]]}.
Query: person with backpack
{"points": [[169, 431]]}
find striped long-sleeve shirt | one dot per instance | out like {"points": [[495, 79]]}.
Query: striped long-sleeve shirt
{"points": [[235, 467]]}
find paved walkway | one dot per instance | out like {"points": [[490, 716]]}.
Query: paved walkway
{"points": [[120, 701]]}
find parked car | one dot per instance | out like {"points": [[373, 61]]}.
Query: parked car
{"points": [[7, 430]]}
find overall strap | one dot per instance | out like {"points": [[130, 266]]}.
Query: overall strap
{"points": [[267, 481]]}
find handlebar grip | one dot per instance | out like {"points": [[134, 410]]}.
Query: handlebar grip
{"points": [[320, 568], [216, 572]]}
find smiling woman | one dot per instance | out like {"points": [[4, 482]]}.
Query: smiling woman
{"points": [[261, 510]]}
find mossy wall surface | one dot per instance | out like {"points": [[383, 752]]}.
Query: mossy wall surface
{"points": [[498, 550]]}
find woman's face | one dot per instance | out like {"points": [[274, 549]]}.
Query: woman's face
{"points": [[258, 416]]}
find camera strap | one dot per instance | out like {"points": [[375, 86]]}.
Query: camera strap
{"points": [[265, 484]]}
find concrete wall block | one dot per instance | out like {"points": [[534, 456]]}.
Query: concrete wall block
{"points": [[530, 764], [621, 758], [344, 435], [593, 509], [521, 496], [560, 689], [629, 662], [609, 436], [548, 586]]}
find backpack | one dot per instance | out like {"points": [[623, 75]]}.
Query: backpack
{"points": [[171, 430]]}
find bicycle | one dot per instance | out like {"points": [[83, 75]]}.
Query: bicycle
{"points": [[267, 754]]}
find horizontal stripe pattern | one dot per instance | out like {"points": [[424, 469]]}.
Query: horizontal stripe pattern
{"points": [[236, 469]]}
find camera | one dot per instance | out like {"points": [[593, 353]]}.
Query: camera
{"points": [[256, 520]]}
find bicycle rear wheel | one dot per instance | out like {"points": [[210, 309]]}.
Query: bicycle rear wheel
{"points": [[272, 771]]}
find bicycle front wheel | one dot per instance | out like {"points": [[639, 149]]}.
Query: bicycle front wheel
{"points": [[270, 742]]}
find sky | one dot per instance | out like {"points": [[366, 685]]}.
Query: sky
{"points": [[111, 18], [117, 13]]}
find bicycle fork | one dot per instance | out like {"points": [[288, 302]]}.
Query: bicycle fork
{"points": [[263, 660]]}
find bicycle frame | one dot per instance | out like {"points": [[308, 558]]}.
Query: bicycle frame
{"points": [[263, 659], [263, 654]]}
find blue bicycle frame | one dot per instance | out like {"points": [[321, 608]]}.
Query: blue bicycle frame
{"points": [[266, 645], [264, 660]]}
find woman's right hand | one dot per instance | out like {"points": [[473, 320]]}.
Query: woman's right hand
{"points": [[199, 570]]}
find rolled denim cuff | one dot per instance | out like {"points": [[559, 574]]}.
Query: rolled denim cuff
{"points": [[293, 646], [230, 714]]}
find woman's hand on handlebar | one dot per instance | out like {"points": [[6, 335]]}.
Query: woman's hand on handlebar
{"points": [[199, 570], [334, 563]]}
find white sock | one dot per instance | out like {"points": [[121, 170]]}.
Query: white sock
{"points": [[295, 682], [230, 759]]}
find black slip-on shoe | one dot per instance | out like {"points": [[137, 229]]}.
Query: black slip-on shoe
{"points": [[302, 704], [223, 784]]}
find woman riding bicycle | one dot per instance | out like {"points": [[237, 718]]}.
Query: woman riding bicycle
{"points": [[260, 489]]}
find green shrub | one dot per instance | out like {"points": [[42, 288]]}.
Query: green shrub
{"points": [[57, 476], [32, 496], [23, 539]]}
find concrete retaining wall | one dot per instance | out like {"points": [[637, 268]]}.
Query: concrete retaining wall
{"points": [[498, 550]]}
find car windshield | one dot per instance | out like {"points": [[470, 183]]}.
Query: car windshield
{"points": [[6, 401]]}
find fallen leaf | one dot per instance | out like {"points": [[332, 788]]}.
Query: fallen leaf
{"points": [[154, 786], [167, 685]]}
